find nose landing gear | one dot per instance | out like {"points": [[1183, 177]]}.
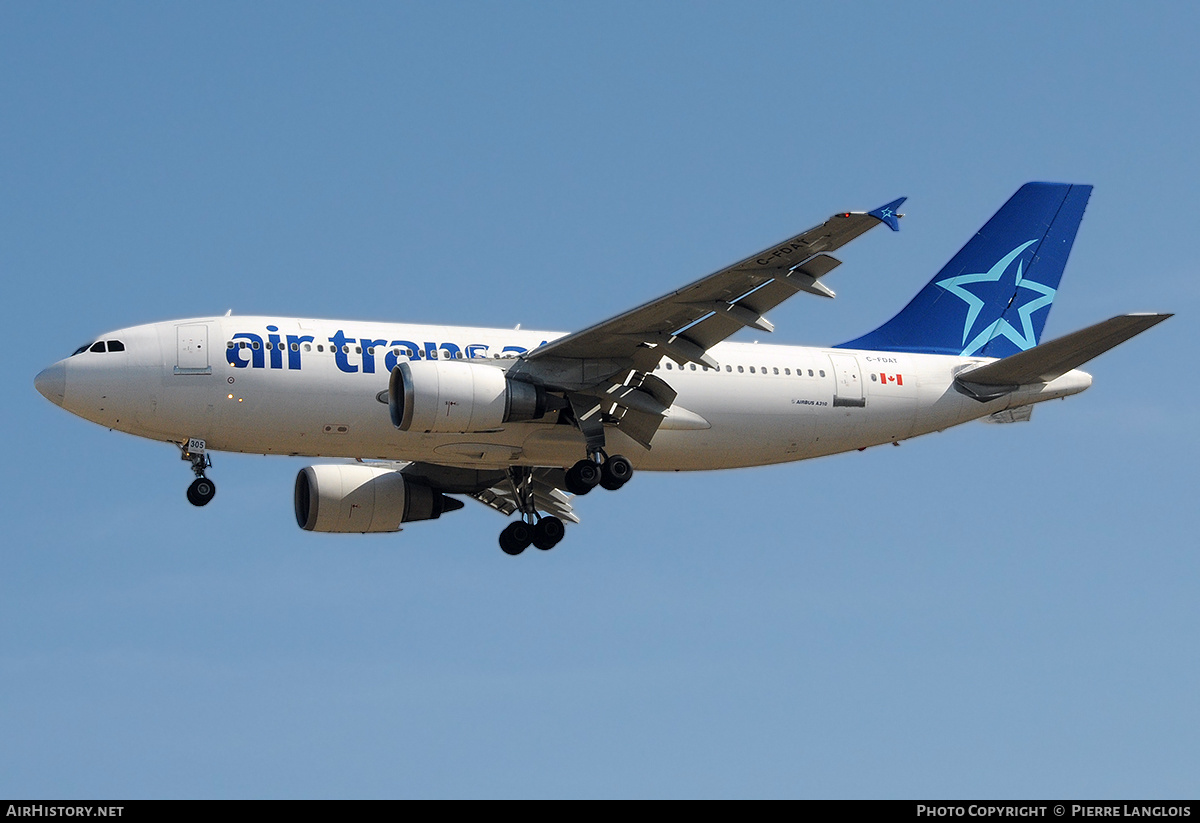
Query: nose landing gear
{"points": [[202, 489]]}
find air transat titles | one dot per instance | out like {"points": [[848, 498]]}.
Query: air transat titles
{"points": [[250, 350]]}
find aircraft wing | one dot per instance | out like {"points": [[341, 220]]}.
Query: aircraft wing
{"points": [[684, 324]]}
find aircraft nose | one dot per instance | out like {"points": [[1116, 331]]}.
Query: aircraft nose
{"points": [[52, 383]]}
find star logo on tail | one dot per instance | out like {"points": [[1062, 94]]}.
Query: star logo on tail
{"points": [[994, 324]]}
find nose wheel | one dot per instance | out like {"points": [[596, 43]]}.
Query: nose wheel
{"points": [[202, 490]]}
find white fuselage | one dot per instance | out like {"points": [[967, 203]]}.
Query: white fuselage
{"points": [[312, 387]]}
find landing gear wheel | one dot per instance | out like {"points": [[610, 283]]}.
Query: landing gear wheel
{"points": [[201, 491], [615, 472], [548, 531], [583, 477], [516, 537]]}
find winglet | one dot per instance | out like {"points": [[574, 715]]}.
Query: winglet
{"points": [[888, 214]]}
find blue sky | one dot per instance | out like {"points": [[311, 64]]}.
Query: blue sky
{"points": [[999, 611]]}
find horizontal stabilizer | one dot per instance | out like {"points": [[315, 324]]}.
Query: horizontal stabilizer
{"points": [[1051, 360]]}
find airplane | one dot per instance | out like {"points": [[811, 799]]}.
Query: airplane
{"points": [[523, 421]]}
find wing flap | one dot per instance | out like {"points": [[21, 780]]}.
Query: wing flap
{"points": [[547, 495]]}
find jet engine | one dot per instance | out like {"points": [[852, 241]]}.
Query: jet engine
{"points": [[349, 498], [450, 397]]}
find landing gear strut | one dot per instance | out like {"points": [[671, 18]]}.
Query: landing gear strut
{"points": [[543, 531], [202, 489], [597, 469]]}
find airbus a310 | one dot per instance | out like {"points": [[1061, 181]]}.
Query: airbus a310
{"points": [[418, 416]]}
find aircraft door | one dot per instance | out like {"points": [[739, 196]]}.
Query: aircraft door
{"points": [[192, 349], [847, 381]]}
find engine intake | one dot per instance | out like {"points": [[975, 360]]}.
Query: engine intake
{"points": [[337, 498], [450, 397]]}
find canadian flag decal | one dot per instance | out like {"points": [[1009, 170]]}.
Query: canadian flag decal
{"points": [[898, 379]]}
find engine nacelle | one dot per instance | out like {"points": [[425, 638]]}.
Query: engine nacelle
{"points": [[451, 397], [348, 498]]}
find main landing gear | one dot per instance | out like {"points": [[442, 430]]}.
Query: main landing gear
{"points": [[598, 469], [545, 531], [542, 531], [202, 489]]}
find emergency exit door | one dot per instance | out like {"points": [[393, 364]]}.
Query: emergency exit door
{"points": [[192, 349], [847, 379]]}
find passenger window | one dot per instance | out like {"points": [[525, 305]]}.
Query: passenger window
{"points": [[295, 347], [741, 370], [230, 345], [776, 371], [822, 372], [307, 347], [810, 374], [98, 346], [787, 371], [752, 370], [320, 347], [254, 345], [668, 367], [693, 366], [116, 345], [729, 368]]}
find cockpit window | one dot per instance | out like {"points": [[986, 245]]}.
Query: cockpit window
{"points": [[100, 347]]}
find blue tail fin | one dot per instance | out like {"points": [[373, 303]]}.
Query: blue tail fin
{"points": [[993, 297]]}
